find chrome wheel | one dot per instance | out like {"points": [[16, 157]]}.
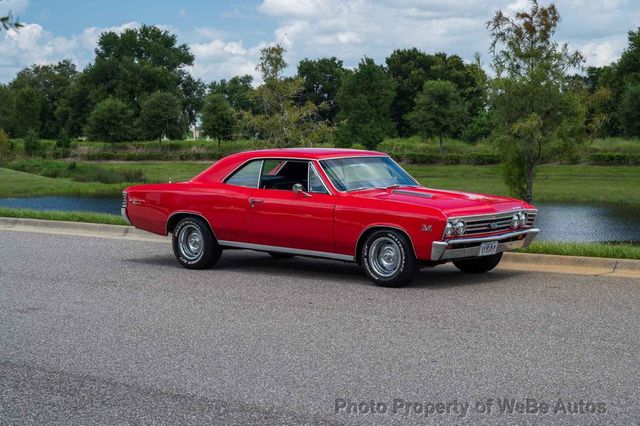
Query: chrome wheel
{"points": [[385, 257], [190, 242]]}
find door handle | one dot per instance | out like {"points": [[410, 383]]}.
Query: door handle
{"points": [[253, 202]]}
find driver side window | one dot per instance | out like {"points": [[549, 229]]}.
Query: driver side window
{"points": [[281, 174]]}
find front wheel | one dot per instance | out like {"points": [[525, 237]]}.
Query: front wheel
{"points": [[479, 265], [194, 245], [388, 259]]}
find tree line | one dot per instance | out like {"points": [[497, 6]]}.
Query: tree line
{"points": [[139, 87]]}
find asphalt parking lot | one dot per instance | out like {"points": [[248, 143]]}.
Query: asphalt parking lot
{"points": [[110, 331]]}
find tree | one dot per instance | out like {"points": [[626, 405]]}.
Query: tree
{"points": [[411, 68], [31, 143], [277, 117], [193, 92], [630, 111], [51, 82], [63, 143], [110, 121], [136, 63], [161, 116], [6, 151], [365, 106], [218, 118], [532, 98], [237, 91], [28, 107], [322, 80], [9, 22], [7, 109], [439, 111]]}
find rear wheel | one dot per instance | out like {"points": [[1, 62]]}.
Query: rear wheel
{"points": [[478, 265], [194, 245], [388, 259]]}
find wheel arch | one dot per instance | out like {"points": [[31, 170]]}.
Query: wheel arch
{"points": [[381, 227], [176, 217]]}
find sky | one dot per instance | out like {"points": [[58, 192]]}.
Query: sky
{"points": [[226, 36]]}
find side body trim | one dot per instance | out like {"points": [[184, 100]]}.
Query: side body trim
{"points": [[261, 247]]}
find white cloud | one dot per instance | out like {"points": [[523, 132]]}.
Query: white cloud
{"points": [[600, 53]]}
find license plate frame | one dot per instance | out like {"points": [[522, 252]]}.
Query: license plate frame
{"points": [[488, 248]]}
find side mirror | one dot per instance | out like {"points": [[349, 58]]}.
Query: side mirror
{"points": [[298, 189]]}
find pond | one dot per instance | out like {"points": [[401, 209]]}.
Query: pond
{"points": [[558, 222]]}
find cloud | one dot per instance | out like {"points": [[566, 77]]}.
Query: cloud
{"points": [[14, 6]]}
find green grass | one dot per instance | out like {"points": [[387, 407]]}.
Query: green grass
{"points": [[553, 183], [160, 171], [20, 184], [109, 219], [616, 251]]}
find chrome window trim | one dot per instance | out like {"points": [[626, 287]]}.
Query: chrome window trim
{"points": [[288, 250], [311, 166], [240, 167], [418, 184]]}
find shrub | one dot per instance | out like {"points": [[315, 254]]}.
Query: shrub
{"points": [[31, 143], [6, 148], [614, 159]]}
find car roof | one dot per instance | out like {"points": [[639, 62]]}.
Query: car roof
{"points": [[311, 153], [221, 168]]}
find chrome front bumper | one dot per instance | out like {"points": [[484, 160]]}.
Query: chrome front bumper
{"points": [[470, 247], [123, 212]]}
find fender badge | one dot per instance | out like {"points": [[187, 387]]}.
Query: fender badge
{"points": [[425, 228]]}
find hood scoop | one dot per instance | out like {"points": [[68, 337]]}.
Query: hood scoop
{"points": [[412, 193]]}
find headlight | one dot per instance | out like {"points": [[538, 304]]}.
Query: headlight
{"points": [[523, 219], [460, 227], [515, 221], [448, 230]]}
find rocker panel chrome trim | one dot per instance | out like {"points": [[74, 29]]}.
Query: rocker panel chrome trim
{"points": [[288, 250]]}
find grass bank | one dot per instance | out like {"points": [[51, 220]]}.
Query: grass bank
{"points": [[87, 217], [616, 251]]}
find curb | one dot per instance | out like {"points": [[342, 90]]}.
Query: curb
{"points": [[79, 229], [578, 265]]}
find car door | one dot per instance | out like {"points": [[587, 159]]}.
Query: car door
{"points": [[279, 216]]}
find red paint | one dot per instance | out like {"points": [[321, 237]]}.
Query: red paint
{"points": [[330, 223]]}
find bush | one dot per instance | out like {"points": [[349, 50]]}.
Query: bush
{"points": [[6, 148], [78, 172], [31, 143], [614, 159]]}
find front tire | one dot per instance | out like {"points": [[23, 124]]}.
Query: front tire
{"points": [[194, 244], [478, 265], [388, 258]]}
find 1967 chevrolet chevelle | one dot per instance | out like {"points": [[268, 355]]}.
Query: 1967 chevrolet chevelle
{"points": [[350, 205]]}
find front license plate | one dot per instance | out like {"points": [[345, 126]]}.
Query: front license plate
{"points": [[487, 249]]}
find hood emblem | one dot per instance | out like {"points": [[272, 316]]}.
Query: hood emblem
{"points": [[493, 225]]}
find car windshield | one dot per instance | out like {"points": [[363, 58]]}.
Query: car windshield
{"points": [[354, 173]]}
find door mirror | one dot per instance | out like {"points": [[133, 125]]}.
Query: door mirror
{"points": [[298, 189]]}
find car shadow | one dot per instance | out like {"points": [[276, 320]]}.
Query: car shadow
{"points": [[438, 278]]}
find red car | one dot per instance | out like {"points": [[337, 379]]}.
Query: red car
{"points": [[350, 205]]}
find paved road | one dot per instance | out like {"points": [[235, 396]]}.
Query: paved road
{"points": [[98, 330]]}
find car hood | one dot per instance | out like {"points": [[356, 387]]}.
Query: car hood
{"points": [[450, 203]]}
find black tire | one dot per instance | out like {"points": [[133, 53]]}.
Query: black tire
{"points": [[388, 259], [194, 244], [478, 265], [277, 255]]}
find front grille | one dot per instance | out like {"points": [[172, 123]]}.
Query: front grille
{"points": [[494, 223]]}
